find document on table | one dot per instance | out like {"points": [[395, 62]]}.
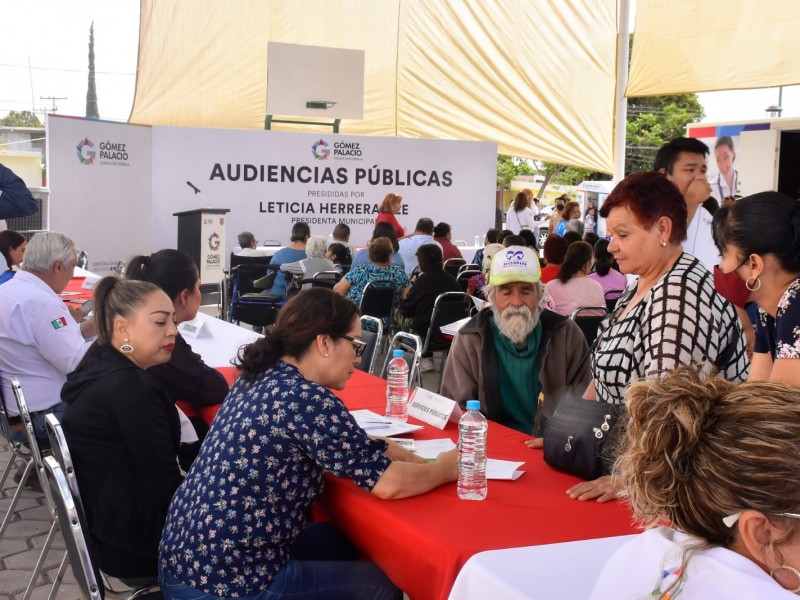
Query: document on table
{"points": [[452, 328], [379, 425], [495, 469]]}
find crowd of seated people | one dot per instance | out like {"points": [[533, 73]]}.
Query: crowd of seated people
{"points": [[672, 351]]}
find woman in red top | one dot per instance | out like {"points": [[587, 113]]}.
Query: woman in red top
{"points": [[555, 250], [387, 211]]}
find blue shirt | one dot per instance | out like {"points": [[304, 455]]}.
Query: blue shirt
{"points": [[284, 255], [362, 258], [232, 522]]}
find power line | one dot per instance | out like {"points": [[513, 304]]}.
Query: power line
{"points": [[64, 70]]}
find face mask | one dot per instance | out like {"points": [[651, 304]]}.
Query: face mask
{"points": [[731, 287]]}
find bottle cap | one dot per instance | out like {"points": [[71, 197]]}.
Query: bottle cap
{"points": [[473, 404], [397, 353]]}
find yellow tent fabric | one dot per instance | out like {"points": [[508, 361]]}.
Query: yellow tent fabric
{"points": [[536, 76], [685, 46]]}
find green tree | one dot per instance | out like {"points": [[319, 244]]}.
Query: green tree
{"points": [[652, 122], [509, 167], [22, 118], [91, 91]]}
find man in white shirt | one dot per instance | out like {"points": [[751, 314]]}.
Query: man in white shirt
{"points": [[423, 234], [249, 245], [683, 162], [40, 339]]}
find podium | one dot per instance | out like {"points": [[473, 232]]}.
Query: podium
{"points": [[201, 235]]}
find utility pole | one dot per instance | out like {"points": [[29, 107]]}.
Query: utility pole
{"points": [[53, 100]]}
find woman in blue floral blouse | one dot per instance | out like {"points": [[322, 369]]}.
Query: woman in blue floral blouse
{"points": [[379, 268], [759, 239], [237, 527]]}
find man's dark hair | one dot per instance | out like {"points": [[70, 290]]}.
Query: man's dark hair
{"points": [[441, 229], [513, 240], [300, 232], [430, 258], [668, 154], [425, 225], [341, 232]]}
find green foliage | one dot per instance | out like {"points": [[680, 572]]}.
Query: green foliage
{"points": [[652, 122], [509, 167], [23, 118]]}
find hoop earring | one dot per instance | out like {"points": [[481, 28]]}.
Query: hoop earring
{"points": [[126, 347], [756, 285], [794, 571]]}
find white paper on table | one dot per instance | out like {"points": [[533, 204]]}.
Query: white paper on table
{"points": [[480, 304], [430, 449], [453, 328], [495, 469], [503, 469], [188, 433], [379, 425]]}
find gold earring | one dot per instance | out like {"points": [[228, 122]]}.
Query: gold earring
{"points": [[663, 244], [756, 285], [796, 574], [326, 355], [126, 347]]}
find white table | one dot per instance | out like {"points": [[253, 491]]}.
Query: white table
{"points": [[565, 571]]}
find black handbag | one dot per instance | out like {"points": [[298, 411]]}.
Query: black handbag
{"points": [[576, 437]]}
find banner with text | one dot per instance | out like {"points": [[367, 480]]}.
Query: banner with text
{"points": [[272, 179]]}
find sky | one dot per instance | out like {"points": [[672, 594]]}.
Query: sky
{"points": [[45, 54]]}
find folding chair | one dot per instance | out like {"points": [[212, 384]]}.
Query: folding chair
{"points": [[326, 279], [464, 276], [611, 303], [411, 346], [378, 301], [60, 451], [72, 527], [38, 462], [589, 323], [449, 307], [454, 265], [373, 338], [18, 453], [460, 243]]}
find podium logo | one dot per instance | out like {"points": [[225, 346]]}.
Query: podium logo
{"points": [[85, 153], [320, 150], [213, 242]]}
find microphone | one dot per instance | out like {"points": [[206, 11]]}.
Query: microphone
{"points": [[197, 193]]}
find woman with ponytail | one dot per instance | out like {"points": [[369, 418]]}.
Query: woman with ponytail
{"points": [[237, 526], [122, 429], [759, 240], [572, 288], [612, 281], [710, 468]]}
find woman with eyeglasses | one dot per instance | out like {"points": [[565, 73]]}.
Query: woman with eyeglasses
{"points": [[712, 467], [237, 527], [759, 240]]}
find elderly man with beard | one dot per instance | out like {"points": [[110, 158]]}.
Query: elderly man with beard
{"points": [[514, 352]]}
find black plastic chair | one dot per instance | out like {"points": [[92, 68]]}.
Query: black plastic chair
{"points": [[611, 303], [454, 265], [463, 278], [378, 300], [449, 307], [589, 324]]}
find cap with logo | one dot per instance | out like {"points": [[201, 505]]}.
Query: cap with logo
{"points": [[515, 264]]}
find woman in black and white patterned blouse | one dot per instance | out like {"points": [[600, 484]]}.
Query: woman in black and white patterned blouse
{"points": [[671, 316]]}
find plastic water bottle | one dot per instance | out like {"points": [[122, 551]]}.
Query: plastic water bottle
{"points": [[472, 453], [478, 240], [397, 388]]}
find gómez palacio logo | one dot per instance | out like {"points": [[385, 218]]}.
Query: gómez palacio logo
{"points": [[85, 152]]}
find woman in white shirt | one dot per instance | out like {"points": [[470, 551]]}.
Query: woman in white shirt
{"points": [[717, 461], [519, 214]]}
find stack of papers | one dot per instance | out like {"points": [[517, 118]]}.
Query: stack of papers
{"points": [[379, 425], [495, 469]]}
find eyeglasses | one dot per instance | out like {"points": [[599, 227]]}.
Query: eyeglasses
{"points": [[358, 345], [730, 520]]}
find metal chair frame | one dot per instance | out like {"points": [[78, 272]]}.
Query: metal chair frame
{"points": [[576, 316], [411, 345], [379, 286], [18, 453], [375, 342]]}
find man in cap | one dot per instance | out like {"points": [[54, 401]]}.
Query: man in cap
{"points": [[513, 352]]}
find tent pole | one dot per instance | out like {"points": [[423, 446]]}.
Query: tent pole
{"points": [[620, 102]]}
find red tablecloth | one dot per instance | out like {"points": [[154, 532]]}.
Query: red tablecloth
{"points": [[74, 285], [421, 543]]}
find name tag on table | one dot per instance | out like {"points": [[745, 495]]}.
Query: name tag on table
{"points": [[433, 409], [89, 282], [191, 328]]}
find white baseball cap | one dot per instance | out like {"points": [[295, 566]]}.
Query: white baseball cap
{"points": [[515, 264]]}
